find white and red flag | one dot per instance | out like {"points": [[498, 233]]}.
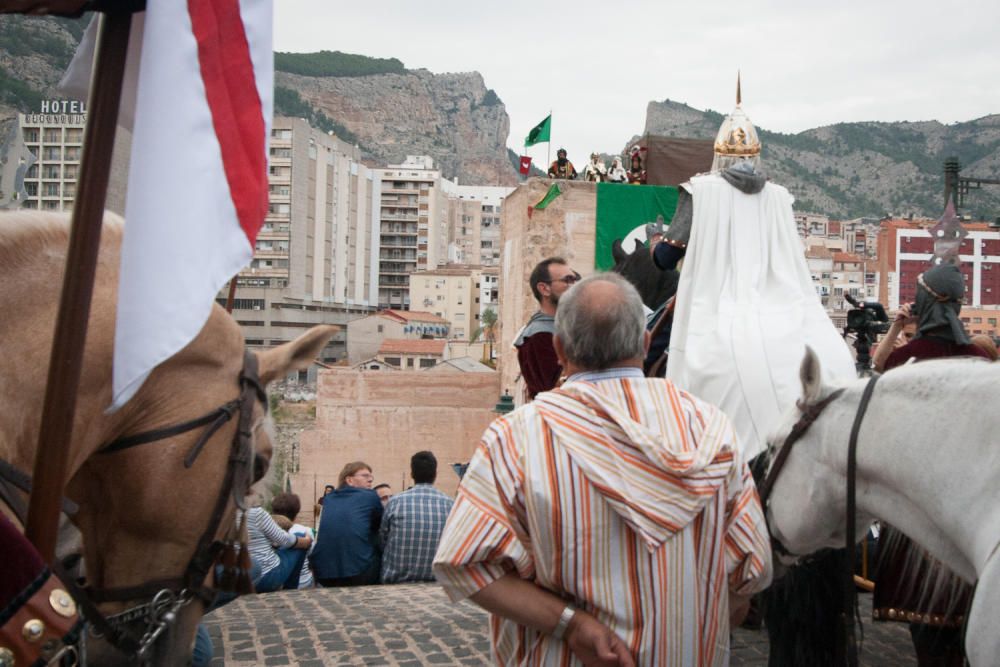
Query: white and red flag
{"points": [[197, 184], [525, 165]]}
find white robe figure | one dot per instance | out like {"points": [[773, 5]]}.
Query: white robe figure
{"points": [[746, 309]]}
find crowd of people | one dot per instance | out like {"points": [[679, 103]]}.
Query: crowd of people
{"points": [[365, 534], [597, 171]]}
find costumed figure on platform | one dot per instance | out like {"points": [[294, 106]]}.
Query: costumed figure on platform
{"points": [[617, 173], [595, 171], [562, 167], [746, 306], [636, 174], [745, 311]]}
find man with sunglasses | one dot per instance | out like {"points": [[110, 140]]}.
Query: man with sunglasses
{"points": [[537, 358]]}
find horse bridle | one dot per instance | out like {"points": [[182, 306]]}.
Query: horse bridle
{"points": [[810, 413], [167, 596]]}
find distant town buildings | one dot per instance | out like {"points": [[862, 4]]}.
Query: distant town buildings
{"points": [[55, 137]]}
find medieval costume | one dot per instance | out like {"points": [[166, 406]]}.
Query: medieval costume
{"points": [[617, 173], [536, 355], [636, 174], [595, 171], [562, 167], [911, 586], [746, 306]]}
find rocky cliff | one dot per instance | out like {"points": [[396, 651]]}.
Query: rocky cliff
{"points": [[454, 118], [862, 169]]}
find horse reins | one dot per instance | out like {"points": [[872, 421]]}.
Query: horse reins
{"points": [[810, 413], [168, 595]]}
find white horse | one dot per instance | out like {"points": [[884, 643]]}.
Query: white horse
{"points": [[928, 462]]}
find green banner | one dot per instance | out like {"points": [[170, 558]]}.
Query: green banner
{"points": [[553, 192], [539, 133], [622, 213]]}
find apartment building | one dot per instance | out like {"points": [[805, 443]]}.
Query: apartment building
{"points": [[315, 254], [413, 226], [366, 334], [54, 136], [451, 293], [475, 226], [905, 248]]}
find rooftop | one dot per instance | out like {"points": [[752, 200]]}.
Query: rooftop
{"points": [[413, 316], [421, 346]]}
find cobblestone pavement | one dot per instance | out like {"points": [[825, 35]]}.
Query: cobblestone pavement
{"points": [[415, 624]]}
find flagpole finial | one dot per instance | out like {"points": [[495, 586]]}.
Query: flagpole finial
{"points": [[739, 97]]}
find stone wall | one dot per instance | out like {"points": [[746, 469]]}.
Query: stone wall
{"points": [[384, 418], [564, 228]]}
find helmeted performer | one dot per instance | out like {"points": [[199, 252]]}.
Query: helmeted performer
{"points": [[595, 171], [746, 307], [561, 167], [617, 173], [636, 174]]}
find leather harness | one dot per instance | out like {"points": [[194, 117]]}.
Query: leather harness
{"points": [[810, 413], [166, 596]]}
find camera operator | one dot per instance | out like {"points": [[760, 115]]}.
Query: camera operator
{"points": [[902, 331]]}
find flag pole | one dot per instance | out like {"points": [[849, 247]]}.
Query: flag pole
{"points": [[548, 144], [66, 359]]}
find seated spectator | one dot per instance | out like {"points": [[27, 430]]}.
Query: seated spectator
{"points": [[346, 552], [384, 492], [278, 553], [286, 506], [412, 525]]}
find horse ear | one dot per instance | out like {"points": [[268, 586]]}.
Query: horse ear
{"points": [[296, 355], [811, 378], [638, 245], [617, 252]]}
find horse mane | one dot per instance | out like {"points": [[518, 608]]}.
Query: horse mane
{"points": [[27, 234]]}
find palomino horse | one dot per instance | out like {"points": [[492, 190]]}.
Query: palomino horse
{"points": [[141, 511], [927, 462]]}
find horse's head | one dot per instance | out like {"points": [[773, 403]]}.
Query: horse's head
{"points": [[804, 492], [146, 510], [654, 285]]}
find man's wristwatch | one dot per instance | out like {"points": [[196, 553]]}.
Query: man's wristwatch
{"points": [[568, 612]]}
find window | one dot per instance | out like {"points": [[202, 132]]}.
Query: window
{"points": [[393, 361], [53, 135], [31, 135], [380, 328], [281, 152], [72, 152], [50, 171], [427, 363], [74, 135], [52, 153], [409, 362], [50, 189]]}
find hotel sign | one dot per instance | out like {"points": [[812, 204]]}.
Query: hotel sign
{"points": [[59, 112]]}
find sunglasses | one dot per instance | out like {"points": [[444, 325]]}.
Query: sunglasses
{"points": [[569, 280]]}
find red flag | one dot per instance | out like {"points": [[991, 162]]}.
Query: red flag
{"points": [[525, 165]]}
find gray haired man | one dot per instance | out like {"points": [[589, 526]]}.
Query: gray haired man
{"points": [[593, 504]]}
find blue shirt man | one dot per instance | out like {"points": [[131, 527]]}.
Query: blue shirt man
{"points": [[412, 525], [346, 551]]}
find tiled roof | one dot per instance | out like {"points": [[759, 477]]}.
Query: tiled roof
{"points": [[420, 346], [414, 316], [845, 257]]}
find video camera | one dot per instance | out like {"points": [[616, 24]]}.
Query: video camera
{"points": [[866, 320]]}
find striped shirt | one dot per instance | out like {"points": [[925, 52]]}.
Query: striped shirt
{"points": [[626, 497], [411, 529], [264, 537]]}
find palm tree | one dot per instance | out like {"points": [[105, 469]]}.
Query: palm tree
{"points": [[488, 330]]}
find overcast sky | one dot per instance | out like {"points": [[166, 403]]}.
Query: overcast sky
{"points": [[596, 65]]}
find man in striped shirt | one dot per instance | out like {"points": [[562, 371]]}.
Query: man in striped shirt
{"points": [[613, 520]]}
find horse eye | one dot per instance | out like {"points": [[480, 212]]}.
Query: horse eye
{"points": [[260, 466]]}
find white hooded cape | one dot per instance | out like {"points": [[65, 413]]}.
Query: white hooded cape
{"points": [[746, 309]]}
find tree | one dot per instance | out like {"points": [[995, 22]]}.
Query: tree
{"points": [[488, 330]]}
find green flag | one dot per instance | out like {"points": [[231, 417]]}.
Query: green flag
{"points": [[540, 132], [622, 213], [553, 192]]}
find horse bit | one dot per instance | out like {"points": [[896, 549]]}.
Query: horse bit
{"points": [[168, 596]]}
